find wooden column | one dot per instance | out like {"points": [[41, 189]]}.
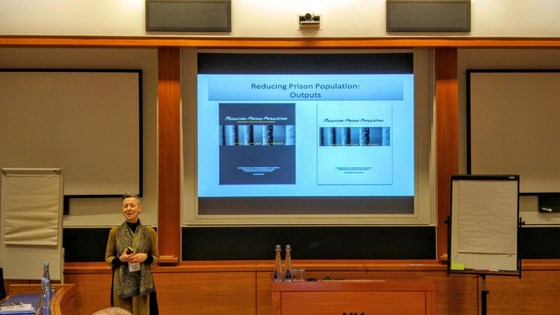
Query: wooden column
{"points": [[169, 154], [447, 137]]}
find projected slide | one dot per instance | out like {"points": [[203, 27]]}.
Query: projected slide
{"points": [[305, 135]]}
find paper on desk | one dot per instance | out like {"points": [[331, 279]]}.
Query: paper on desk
{"points": [[17, 308]]}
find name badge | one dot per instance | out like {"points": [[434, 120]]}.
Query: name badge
{"points": [[133, 267]]}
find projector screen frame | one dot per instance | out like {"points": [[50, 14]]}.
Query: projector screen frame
{"points": [[85, 108], [424, 174], [495, 142]]}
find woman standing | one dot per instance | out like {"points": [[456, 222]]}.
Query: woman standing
{"points": [[131, 249]]}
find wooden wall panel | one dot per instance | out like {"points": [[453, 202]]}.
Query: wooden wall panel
{"points": [[447, 139], [535, 293], [231, 293], [264, 296], [169, 154], [93, 290]]}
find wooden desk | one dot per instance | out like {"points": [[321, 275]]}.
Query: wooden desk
{"points": [[360, 297], [63, 299]]}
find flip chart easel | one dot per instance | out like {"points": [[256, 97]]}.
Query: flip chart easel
{"points": [[31, 222], [484, 227]]}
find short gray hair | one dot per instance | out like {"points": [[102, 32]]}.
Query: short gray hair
{"points": [[131, 195]]}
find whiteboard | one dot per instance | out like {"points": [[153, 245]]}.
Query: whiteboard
{"points": [[512, 121], [31, 223], [484, 224]]}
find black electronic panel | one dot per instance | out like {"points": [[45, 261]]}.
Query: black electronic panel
{"points": [[257, 243]]}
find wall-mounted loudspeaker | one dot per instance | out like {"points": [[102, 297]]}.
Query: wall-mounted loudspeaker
{"points": [[428, 15], [188, 15]]}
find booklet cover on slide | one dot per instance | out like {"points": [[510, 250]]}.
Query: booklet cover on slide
{"points": [[257, 143], [355, 146]]}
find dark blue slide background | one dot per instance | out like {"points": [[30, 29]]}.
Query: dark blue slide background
{"points": [[233, 157]]}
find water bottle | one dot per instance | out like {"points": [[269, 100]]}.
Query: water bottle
{"points": [[46, 291], [277, 274], [288, 274]]}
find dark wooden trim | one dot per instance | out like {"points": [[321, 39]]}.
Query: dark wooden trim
{"points": [[169, 154], [239, 42], [447, 139]]}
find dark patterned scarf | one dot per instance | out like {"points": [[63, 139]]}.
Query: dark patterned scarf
{"points": [[139, 282]]}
